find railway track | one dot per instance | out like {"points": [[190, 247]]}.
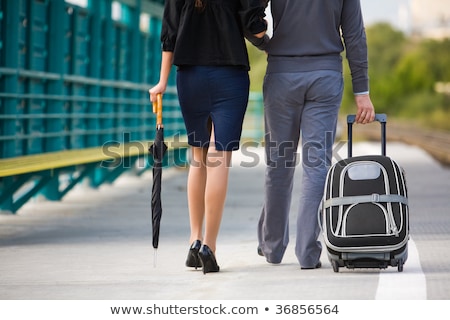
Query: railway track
{"points": [[436, 143]]}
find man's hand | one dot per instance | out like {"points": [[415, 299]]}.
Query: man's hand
{"points": [[365, 111]]}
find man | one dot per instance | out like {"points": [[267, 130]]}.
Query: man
{"points": [[302, 90]]}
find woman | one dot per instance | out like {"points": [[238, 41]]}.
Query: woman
{"points": [[205, 40]]}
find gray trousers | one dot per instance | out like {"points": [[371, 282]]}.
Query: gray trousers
{"points": [[304, 107]]}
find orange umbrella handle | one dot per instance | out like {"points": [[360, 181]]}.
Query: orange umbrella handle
{"points": [[157, 108]]}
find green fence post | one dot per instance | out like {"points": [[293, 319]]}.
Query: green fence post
{"points": [[107, 71], [102, 11], [56, 35], [34, 35], [55, 49], [95, 64], [10, 81], [136, 66]]}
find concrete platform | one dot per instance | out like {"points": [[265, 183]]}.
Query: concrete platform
{"points": [[96, 244]]}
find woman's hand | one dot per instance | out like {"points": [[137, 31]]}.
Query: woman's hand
{"points": [[158, 89], [260, 35]]}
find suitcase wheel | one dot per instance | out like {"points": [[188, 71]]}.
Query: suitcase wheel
{"points": [[335, 265], [400, 265]]}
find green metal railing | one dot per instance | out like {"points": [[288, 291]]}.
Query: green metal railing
{"points": [[74, 77]]}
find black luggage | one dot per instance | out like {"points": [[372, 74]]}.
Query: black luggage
{"points": [[364, 212]]}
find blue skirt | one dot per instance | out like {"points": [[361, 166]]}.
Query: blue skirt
{"points": [[217, 95]]}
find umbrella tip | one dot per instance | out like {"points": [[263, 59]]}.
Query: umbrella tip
{"points": [[155, 255]]}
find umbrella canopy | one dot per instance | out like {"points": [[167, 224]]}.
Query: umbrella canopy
{"points": [[157, 150]]}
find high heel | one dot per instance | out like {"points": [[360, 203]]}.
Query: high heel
{"points": [[208, 260], [192, 257]]}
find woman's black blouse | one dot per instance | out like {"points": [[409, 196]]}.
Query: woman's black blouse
{"points": [[214, 35]]}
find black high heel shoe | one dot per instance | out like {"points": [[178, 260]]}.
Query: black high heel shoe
{"points": [[208, 260], [192, 258]]}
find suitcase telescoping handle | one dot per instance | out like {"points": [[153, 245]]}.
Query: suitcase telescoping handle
{"points": [[381, 118]]}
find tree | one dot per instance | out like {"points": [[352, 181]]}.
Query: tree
{"points": [[385, 48]]}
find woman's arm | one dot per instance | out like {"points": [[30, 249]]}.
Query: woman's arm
{"points": [[166, 66]]}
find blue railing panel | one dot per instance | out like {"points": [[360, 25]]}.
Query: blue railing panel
{"points": [[74, 78]]}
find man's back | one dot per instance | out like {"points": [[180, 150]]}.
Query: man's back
{"points": [[307, 36], [306, 27]]}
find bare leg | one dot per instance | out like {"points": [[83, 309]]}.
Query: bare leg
{"points": [[207, 188], [217, 168], [196, 190]]}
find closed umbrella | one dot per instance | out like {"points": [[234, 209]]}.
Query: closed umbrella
{"points": [[157, 150]]}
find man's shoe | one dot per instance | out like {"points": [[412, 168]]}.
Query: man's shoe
{"points": [[260, 252], [317, 266]]}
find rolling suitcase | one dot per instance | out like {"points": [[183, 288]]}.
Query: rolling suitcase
{"points": [[364, 212]]}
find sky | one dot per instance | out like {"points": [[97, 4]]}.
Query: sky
{"points": [[394, 12]]}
